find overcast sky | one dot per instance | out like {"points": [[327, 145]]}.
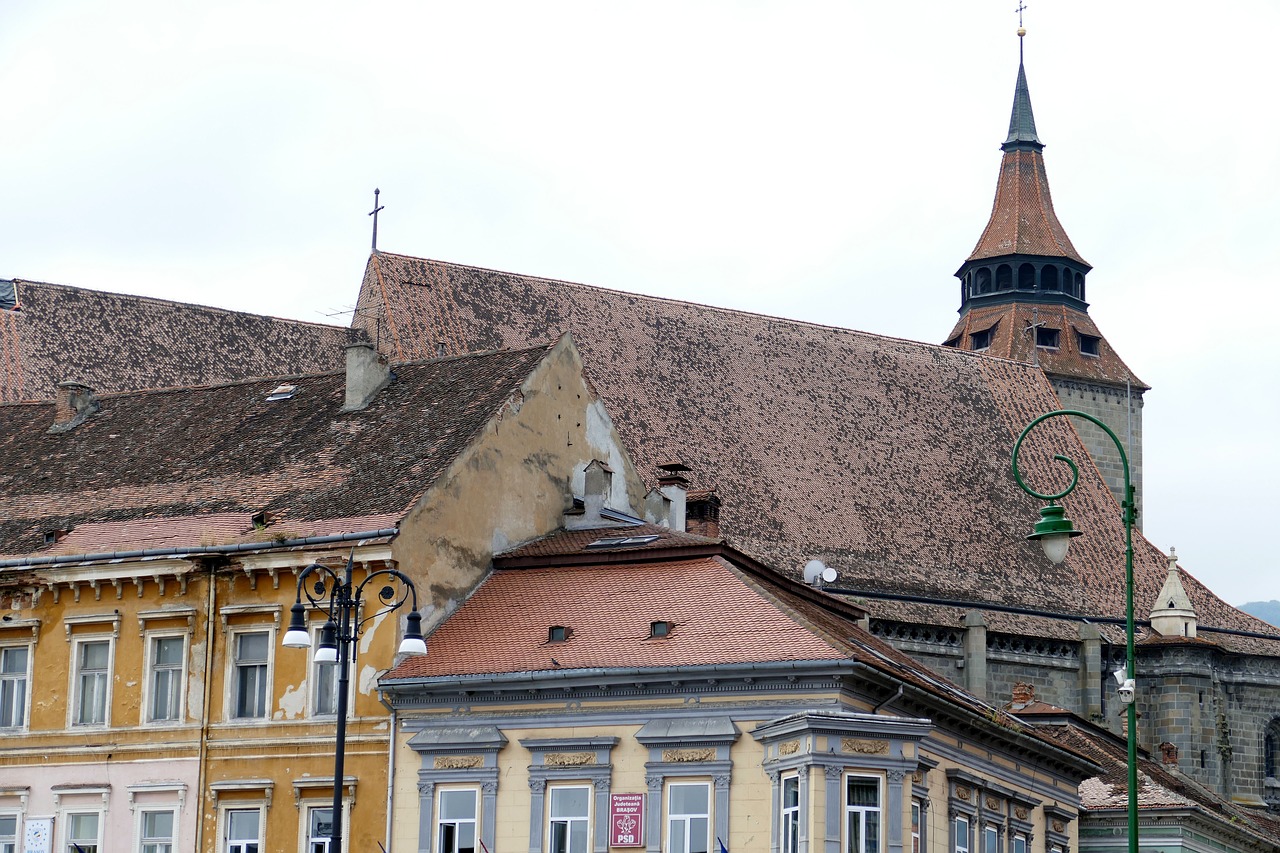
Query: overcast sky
{"points": [[832, 162]]}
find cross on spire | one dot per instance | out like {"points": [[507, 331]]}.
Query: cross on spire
{"points": [[374, 214], [1021, 7]]}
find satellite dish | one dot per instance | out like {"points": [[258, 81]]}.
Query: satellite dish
{"points": [[816, 572]]}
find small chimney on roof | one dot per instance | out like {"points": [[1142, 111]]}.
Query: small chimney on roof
{"points": [[367, 373], [598, 486], [674, 486], [74, 403]]}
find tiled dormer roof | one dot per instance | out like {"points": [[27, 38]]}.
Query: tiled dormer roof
{"points": [[114, 342], [887, 459], [193, 466]]}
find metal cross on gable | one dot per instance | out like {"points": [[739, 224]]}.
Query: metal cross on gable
{"points": [[374, 214]]}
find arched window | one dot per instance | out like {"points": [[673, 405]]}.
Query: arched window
{"points": [[1080, 285], [1026, 277], [984, 280], [1271, 750], [1004, 277], [1049, 277]]}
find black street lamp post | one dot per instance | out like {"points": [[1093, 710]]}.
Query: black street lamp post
{"points": [[339, 598]]}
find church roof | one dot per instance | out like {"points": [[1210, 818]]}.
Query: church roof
{"points": [[192, 467], [1011, 337], [115, 342], [887, 459]]}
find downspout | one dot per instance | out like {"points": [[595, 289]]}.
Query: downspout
{"points": [[894, 698], [391, 779], [202, 773]]}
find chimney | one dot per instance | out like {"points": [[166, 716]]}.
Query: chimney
{"points": [[367, 374], [674, 486], [1023, 695], [1169, 753], [598, 479], [657, 507], [702, 513], [74, 404]]}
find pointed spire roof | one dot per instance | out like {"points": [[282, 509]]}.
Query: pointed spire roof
{"points": [[1022, 123], [1022, 218]]}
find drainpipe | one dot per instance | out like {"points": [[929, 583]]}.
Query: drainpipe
{"points": [[391, 779], [202, 771]]}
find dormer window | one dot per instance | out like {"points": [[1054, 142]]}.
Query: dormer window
{"points": [[658, 630], [558, 634], [1089, 344], [978, 341], [1047, 338], [282, 392]]}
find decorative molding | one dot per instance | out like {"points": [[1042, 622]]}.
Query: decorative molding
{"points": [[188, 613], [538, 786], [458, 762], [179, 788], [654, 784], [791, 747], [897, 776], [963, 793], [93, 619], [32, 625], [834, 772], [679, 756], [266, 786], [864, 746], [569, 759], [230, 610]]}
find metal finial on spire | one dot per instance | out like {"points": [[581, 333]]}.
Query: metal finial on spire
{"points": [[1021, 7], [374, 214]]}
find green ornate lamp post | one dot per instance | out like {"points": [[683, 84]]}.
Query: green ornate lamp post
{"points": [[1055, 531], [340, 599]]}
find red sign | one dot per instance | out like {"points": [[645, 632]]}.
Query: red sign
{"points": [[626, 820]]}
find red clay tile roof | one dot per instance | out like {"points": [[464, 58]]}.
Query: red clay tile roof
{"points": [[608, 610], [1159, 787], [887, 459], [1009, 324], [1022, 218], [575, 543], [178, 468], [114, 342]]}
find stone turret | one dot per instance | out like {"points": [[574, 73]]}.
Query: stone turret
{"points": [[1173, 614]]}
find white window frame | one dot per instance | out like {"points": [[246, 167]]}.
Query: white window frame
{"points": [[310, 841], [75, 706], [863, 811], [990, 838], [961, 844], [569, 820], [917, 826], [1020, 843], [24, 704], [232, 690], [789, 816], [437, 843], [149, 684], [152, 844], [224, 827], [64, 821], [9, 844], [686, 817]]}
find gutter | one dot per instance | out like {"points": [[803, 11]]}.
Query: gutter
{"points": [[106, 556]]}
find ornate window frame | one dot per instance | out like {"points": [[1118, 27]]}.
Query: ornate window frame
{"points": [[842, 743], [557, 760], [687, 748], [458, 756]]}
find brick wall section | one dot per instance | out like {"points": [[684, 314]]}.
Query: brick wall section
{"points": [[1111, 406]]}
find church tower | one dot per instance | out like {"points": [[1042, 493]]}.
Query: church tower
{"points": [[1022, 296]]}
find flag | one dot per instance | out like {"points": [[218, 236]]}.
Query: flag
{"points": [[723, 849]]}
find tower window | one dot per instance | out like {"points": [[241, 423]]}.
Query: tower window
{"points": [[1027, 277], [1049, 277], [1089, 344], [979, 341], [1004, 277], [984, 280], [1046, 338]]}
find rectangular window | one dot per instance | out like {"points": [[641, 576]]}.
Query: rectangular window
{"points": [[456, 826], [325, 680], [990, 839], [319, 829], [790, 815], [1019, 844], [251, 661], [1089, 344], [166, 678], [156, 832], [915, 827], [570, 816], [93, 663], [13, 687], [862, 814], [1046, 338], [979, 341], [962, 834], [82, 832], [242, 831], [8, 833], [688, 818]]}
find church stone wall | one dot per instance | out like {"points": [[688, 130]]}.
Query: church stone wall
{"points": [[1111, 406]]}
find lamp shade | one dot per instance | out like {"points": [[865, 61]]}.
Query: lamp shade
{"points": [[297, 637], [1055, 532], [328, 651], [413, 643]]}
